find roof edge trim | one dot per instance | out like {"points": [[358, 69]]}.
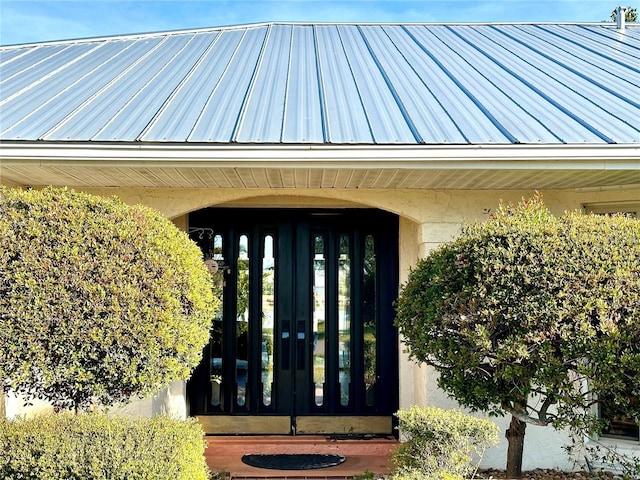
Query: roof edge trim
{"points": [[516, 157]]}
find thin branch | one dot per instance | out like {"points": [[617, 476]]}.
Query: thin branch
{"points": [[542, 414], [523, 416]]}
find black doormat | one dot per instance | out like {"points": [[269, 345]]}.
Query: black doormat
{"points": [[292, 461]]}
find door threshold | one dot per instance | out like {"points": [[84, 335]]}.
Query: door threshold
{"points": [[338, 426], [241, 444], [245, 425]]}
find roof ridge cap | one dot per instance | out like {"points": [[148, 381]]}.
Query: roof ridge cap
{"points": [[185, 31]]}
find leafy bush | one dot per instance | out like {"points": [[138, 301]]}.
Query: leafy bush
{"points": [[518, 311], [440, 444], [94, 446], [99, 300]]}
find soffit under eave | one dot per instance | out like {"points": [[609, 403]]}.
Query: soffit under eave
{"points": [[320, 166], [300, 178]]}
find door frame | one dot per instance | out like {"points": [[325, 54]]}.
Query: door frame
{"points": [[337, 419]]}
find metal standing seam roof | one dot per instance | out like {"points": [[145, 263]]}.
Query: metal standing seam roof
{"points": [[281, 83]]}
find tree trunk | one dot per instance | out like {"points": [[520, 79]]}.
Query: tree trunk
{"points": [[515, 436]]}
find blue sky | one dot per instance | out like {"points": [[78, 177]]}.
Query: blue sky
{"points": [[25, 21]]}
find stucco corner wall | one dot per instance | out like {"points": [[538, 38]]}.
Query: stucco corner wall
{"points": [[543, 448], [543, 445], [170, 401], [17, 406]]}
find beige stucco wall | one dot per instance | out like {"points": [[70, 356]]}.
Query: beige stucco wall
{"points": [[427, 218]]}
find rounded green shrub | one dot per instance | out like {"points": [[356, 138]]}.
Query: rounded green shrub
{"points": [[440, 444], [93, 446], [521, 312], [99, 300]]}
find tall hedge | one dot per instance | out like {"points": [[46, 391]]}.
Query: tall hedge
{"points": [[99, 300]]}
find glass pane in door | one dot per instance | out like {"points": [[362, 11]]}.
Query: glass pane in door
{"points": [[344, 319], [242, 320], [369, 318], [268, 292], [319, 307], [215, 264]]}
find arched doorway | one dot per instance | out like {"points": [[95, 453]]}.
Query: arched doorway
{"points": [[305, 342]]}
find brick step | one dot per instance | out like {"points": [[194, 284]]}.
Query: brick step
{"points": [[224, 454]]}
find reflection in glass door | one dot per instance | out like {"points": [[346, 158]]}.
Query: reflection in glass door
{"points": [[268, 319], [370, 318], [319, 322], [344, 319], [305, 341], [242, 321]]}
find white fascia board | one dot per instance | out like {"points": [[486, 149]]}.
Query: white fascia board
{"points": [[492, 157]]}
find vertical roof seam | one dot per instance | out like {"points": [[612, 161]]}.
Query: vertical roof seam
{"points": [[196, 124], [179, 87], [575, 72], [283, 122], [100, 91], [67, 88], [321, 87], [378, 84], [33, 65], [357, 87], [245, 101], [423, 82], [48, 75], [588, 49], [598, 31], [139, 92], [501, 90], [394, 93], [553, 102], [27, 51], [466, 91]]}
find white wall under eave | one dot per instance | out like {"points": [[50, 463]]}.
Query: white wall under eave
{"points": [[417, 205], [449, 206]]}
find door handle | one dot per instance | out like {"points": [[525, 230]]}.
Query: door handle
{"points": [[285, 353], [301, 344]]}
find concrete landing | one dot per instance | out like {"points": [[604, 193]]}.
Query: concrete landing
{"points": [[224, 454]]}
